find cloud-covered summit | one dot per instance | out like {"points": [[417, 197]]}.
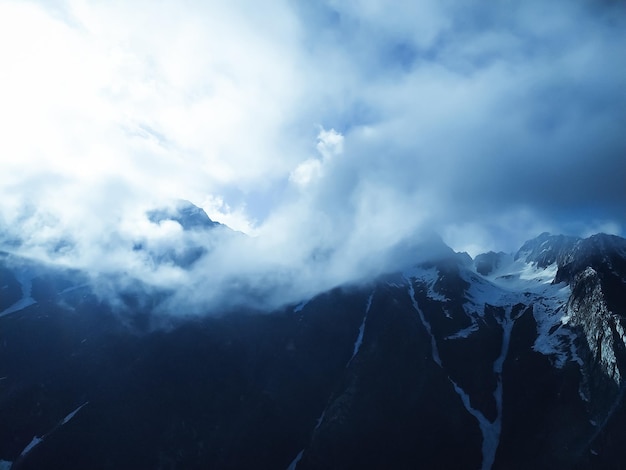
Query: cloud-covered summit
{"points": [[332, 132]]}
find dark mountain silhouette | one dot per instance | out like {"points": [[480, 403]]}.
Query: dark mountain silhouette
{"points": [[505, 361]]}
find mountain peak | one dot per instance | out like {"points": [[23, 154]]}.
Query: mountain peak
{"points": [[187, 214], [485, 263], [605, 253], [546, 249]]}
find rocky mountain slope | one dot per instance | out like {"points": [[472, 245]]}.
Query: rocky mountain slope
{"points": [[506, 361]]}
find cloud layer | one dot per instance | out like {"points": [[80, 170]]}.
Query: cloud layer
{"points": [[333, 132]]}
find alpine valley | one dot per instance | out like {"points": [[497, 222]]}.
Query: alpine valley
{"points": [[505, 361]]}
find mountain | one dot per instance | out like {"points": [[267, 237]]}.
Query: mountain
{"points": [[185, 213], [197, 229], [504, 361]]}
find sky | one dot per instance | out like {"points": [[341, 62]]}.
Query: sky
{"points": [[334, 131]]}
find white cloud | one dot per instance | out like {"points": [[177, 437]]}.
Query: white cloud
{"points": [[329, 145], [483, 122], [179, 100], [237, 219], [306, 172]]}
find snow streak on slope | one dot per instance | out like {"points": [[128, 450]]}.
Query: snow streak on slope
{"points": [[300, 306], [465, 332], [357, 346], [359, 339], [72, 414], [520, 283], [433, 343], [38, 440], [489, 430], [320, 420], [25, 278], [31, 445], [506, 323], [512, 284], [294, 462], [495, 427]]}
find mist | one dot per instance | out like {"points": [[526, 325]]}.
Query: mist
{"points": [[337, 138]]}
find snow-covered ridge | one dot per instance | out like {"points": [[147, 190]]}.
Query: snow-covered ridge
{"points": [[521, 276], [512, 281], [517, 281]]}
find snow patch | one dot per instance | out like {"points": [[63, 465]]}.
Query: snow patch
{"points": [[428, 277], [465, 332], [521, 282], [67, 290], [489, 430], [25, 278], [555, 339], [520, 276], [294, 462], [480, 293], [72, 414], [506, 323], [36, 440], [300, 306], [359, 339], [320, 420], [620, 330]]}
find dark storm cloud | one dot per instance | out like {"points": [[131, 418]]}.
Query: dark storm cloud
{"points": [[485, 111]]}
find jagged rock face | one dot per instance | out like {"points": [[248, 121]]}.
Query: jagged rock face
{"points": [[507, 362], [547, 249], [601, 334], [606, 254], [587, 309], [486, 263]]}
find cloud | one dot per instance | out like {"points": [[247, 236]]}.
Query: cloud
{"points": [[187, 96], [329, 145], [333, 132], [306, 172]]}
